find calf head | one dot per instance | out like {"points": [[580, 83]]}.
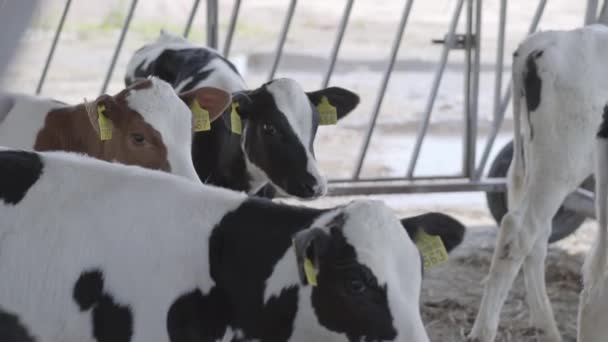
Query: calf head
{"points": [[363, 275], [149, 125], [280, 122]]}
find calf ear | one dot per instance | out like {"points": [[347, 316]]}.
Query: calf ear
{"points": [[213, 100], [106, 105], [343, 100], [310, 245], [450, 230]]}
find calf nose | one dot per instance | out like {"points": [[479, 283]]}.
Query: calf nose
{"points": [[310, 189]]}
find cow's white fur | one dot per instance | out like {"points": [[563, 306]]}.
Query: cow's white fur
{"points": [[137, 225], [593, 305], [288, 95], [159, 106], [24, 119], [554, 163]]}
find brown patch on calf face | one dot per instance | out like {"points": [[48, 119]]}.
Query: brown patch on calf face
{"points": [[133, 142]]}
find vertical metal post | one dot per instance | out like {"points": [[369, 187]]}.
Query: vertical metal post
{"points": [[230, 34], [591, 12], [505, 99], [472, 117], [449, 43], [380, 97], [339, 37], [282, 38], [191, 17], [212, 20], [53, 46], [121, 40], [468, 46]]}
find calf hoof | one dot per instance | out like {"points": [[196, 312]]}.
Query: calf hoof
{"points": [[480, 335]]}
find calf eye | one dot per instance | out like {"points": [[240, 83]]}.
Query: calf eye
{"points": [[356, 286], [138, 139], [269, 130]]}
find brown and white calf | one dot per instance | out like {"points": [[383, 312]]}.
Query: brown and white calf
{"points": [[151, 126], [560, 79]]}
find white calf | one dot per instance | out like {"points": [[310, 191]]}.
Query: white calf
{"points": [[562, 78]]}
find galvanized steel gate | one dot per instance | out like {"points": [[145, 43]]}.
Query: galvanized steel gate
{"points": [[471, 177]]}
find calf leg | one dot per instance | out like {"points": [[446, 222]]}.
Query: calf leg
{"points": [[541, 313], [519, 239], [508, 257]]}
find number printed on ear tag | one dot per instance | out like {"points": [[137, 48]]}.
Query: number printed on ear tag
{"points": [[432, 249], [105, 125], [201, 117], [328, 113]]}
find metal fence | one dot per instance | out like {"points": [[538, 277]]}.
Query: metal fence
{"points": [[471, 176]]}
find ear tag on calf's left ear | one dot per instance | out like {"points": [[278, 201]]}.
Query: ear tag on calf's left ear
{"points": [[236, 126], [327, 112], [105, 126], [432, 249], [311, 273], [201, 117]]}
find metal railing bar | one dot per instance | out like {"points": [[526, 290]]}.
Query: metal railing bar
{"points": [[505, 100], [473, 114], [338, 42], [231, 27], [212, 23], [49, 57], [467, 88], [191, 17], [380, 179], [121, 40], [282, 38], [449, 42], [409, 187], [380, 97]]}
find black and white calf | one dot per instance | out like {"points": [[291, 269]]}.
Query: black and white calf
{"points": [[279, 120], [93, 251], [560, 80]]}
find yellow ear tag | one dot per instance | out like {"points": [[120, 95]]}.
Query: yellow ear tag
{"points": [[311, 273], [236, 125], [201, 117], [432, 249], [328, 113], [105, 125]]}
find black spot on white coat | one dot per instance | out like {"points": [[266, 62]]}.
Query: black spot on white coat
{"points": [[111, 321], [603, 130], [19, 170], [532, 85], [177, 66], [196, 317], [242, 259], [12, 329]]}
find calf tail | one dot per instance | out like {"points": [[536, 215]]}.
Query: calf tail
{"points": [[517, 168]]}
